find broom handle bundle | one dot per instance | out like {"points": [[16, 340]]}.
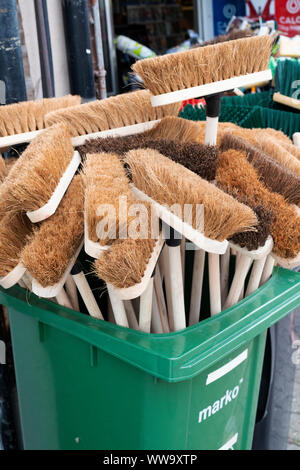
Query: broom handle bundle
{"points": [[160, 299], [133, 323], [197, 282], [165, 268]]}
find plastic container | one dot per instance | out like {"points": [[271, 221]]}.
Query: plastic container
{"points": [[88, 384]]}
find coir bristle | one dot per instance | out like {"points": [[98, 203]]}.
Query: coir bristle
{"points": [[29, 116], [105, 181], [235, 173], [34, 177], [167, 182], [201, 159], [275, 176], [14, 231], [195, 67], [51, 248], [117, 111]]}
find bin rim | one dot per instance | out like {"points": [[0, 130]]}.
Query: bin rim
{"points": [[176, 356]]}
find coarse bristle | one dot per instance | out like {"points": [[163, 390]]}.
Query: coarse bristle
{"points": [[175, 128], [105, 181], [51, 248], [278, 152], [124, 263], [117, 111], [29, 116], [9, 163], [167, 182], [3, 169], [201, 159], [252, 239], [194, 67], [291, 148], [14, 231], [235, 173], [275, 176], [34, 177]]}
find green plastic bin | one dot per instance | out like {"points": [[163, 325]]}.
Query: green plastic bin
{"points": [[88, 384]]}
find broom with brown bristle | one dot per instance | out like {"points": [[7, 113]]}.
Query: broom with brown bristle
{"points": [[207, 71], [22, 122], [164, 182], [54, 247], [3, 170], [40, 177], [108, 203], [124, 114], [235, 172], [128, 269], [105, 182], [14, 231]]}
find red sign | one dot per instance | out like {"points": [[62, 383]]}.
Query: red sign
{"points": [[288, 16]]}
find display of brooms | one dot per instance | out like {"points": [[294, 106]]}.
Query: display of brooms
{"points": [[221, 200]]}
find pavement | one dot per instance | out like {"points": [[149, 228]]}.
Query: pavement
{"points": [[294, 433]]}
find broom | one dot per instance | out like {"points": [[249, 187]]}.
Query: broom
{"points": [[207, 71], [22, 122], [236, 173], [52, 251], [38, 180], [128, 267], [107, 188], [163, 182], [124, 114]]}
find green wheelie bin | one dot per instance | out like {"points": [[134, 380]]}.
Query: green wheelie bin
{"points": [[88, 384]]}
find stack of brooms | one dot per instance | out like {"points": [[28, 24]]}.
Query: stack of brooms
{"points": [[122, 197]]}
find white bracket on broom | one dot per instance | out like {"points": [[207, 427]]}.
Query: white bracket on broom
{"points": [[117, 132], [261, 252], [191, 234], [53, 291], [50, 207], [93, 249], [13, 277], [16, 139], [250, 79], [296, 139]]}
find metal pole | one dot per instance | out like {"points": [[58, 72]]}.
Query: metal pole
{"points": [[12, 79], [111, 45], [44, 48], [99, 49]]}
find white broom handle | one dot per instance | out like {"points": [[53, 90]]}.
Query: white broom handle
{"points": [[238, 281], [146, 307], [63, 299], [87, 295], [71, 290], [133, 323], [214, 283], [296, 139], [156, 324], [197, 282], [176, 283], [268, 269], [211, 130], [161, 300], [164, 263], [118, 307], [255, 276], [225, 265]]}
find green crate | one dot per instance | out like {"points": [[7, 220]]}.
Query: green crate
{"points": [[88, 384]]}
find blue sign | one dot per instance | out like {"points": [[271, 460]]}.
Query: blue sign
{"points": [[224, 10]]}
